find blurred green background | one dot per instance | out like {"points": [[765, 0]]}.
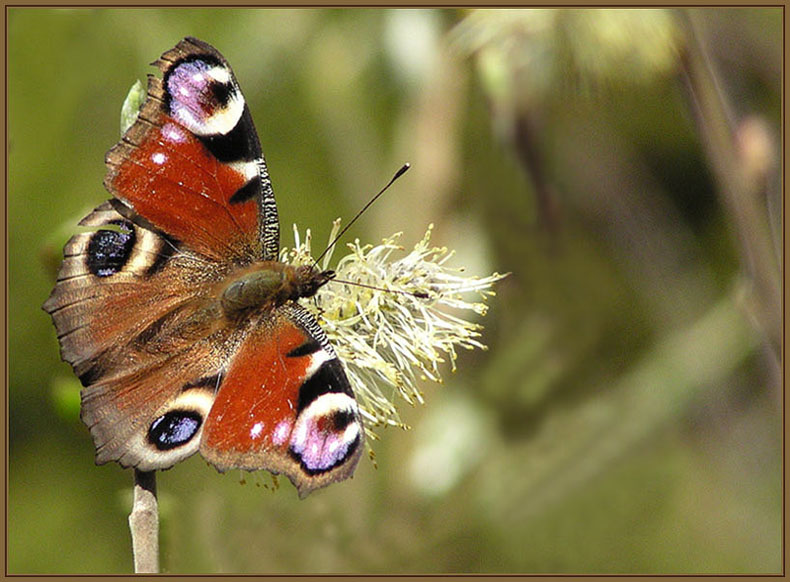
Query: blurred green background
{"points": [[627, 416]]}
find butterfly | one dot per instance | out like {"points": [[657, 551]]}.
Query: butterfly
{"points": [[183, 327]]}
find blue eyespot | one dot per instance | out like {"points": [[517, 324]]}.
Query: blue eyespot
{"points": [[174, 429]]}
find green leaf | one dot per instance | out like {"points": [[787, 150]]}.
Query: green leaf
{"points": [[131, 105]]}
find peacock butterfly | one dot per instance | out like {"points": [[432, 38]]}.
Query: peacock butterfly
{"points": [[174, 311]]}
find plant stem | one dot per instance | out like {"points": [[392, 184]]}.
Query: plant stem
{"points": [[144, 523], [741, 193]]}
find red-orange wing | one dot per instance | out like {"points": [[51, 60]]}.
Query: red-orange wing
{"points": [[285, 405]]}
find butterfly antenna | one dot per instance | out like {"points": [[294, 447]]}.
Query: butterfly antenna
{"points": [[397, 175], [417, 294]]}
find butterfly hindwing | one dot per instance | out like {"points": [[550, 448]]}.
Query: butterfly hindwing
{"points": [[291, 407], [133, 312]]}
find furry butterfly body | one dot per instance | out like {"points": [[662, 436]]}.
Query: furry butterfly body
{"points": [[184, 329]]}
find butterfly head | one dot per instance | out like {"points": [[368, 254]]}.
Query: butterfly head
{"points": [[308, 280]]}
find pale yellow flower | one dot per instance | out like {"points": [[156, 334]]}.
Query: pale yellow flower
{"points": [[394, 320]]}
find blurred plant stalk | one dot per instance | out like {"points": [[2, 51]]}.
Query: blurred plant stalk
{"points": [[741, 155]]}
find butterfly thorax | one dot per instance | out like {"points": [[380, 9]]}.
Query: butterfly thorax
{"points": [[269, 284]]}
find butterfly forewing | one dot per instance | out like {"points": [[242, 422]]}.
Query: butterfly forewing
{"points": [[192, 163]]}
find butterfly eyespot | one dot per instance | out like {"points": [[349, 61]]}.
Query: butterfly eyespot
{"points": [[327, 434], [203, 97], [110, 250], [174, 429]]}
